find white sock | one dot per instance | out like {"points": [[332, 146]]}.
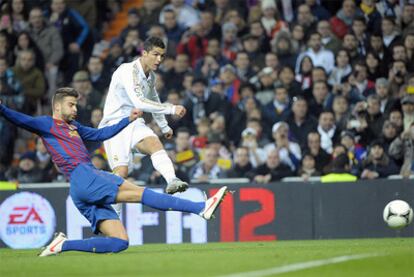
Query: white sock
{"points": [[163, 164]]}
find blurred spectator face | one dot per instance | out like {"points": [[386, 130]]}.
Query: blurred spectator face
{"points": [[360, 72], [314, 141], [273, 160], [326, 121], [221, 4], [115, 50], [242, 157], [283, 46], [398, 53], [242, 61], [187, 83], [26, 60], [269, 12], [256, 29], [206, 20], [382, 91], [338, 150], [181, 63], [318, 74], [219, 124], [300, 108], [348, 7], [95, 66], [305, 16], [40, 146], [266, 79], [320, 91], [230, 35], [282, 132], [58, 6], [82, 86], [3, 41], [26, 164], [308, 162], [376, 152], [389, 130], [342, 58], [255, 125], [210, 157], [36, 18], [251, 45], [96, 117], [340, 105], [151, 5], [281, 95], [23, 41], [132, 37], [227, 77], [358, 27], [371, 61], [133, 19], [286, 75], [376, 43], [298, 33], [374, 106], [156, 31], [3, 66], [254, 114], [399, 69], [174, 98], [409, 41], [396, 118], [324, 28], [350, 42], [306, 65], [387, 27], [271, 60], [203, 128], [246, 92], [347, 141], [250, 104], [213, 47], [170, 19], [407, 14], [182, 141], [17, 6], [407, 108], [234, 16], [177, 3], [198, 89], [159, 83]]}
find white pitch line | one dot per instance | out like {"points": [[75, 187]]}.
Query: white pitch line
{"points": [[300, 266]]}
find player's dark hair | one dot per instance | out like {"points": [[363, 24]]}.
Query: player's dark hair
{"points": [[153, 42], [62, 93]]}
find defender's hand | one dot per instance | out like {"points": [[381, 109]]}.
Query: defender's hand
{"points": [[169, 134], [135, 113], [180, 111]]}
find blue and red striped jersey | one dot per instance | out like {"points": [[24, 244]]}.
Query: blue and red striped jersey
{"points": [[63, 140]]}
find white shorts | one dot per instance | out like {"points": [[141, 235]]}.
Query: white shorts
{"points": [[118, 149]]}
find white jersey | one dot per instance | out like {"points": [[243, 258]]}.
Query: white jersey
{"points": [[129, 89]]}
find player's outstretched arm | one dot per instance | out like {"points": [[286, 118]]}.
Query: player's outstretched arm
{"points": [[32, 124], [108, 132]]}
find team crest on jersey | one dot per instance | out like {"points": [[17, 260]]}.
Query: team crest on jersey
{"points": [[74, 133], [116, 158]]}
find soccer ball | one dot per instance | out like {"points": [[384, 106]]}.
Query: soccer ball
{"points": [[398, 214]]}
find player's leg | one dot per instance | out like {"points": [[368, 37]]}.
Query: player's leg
{"points": [[128, 192], [151, 145]]}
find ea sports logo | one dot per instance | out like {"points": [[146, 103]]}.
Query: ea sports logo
{"points": [[27, 220]]}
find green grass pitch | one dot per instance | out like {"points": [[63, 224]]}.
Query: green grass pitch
{"points": [[391, 257]]}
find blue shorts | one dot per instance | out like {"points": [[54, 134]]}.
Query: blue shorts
{"points": [[93, 191]]}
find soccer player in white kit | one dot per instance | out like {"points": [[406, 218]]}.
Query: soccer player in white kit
{"points": [[133, 86]]}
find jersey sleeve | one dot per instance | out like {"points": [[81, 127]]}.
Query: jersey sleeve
{"points": [[158, 117], [33, 124], [134, 89], [93, 134]]}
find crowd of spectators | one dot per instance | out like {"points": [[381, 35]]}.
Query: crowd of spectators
{"points": [[272, 88]]}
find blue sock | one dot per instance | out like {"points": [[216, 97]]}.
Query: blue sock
{"points": [[96, 245], [165, 202]]}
